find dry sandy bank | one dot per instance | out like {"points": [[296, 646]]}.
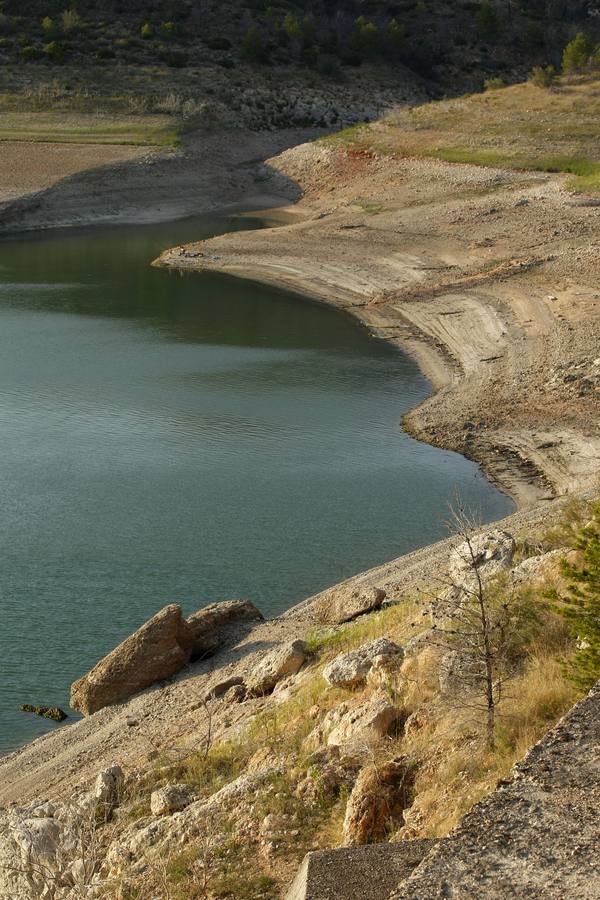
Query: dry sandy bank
{"points": [[57, 185], [28, 167]]}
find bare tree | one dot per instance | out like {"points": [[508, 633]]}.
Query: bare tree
{"points": [[474, 621], [66, 863]]}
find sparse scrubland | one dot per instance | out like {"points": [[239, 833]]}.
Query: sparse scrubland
{"points": [[518, 127]]}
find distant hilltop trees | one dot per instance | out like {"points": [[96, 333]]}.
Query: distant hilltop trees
{"points": [[438, 40]]}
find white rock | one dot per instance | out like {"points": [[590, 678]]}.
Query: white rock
{"points": [[350, 670], [490, 553], [108, 787], [279, 663], [536, 567], [362, 724], [170, 799]]}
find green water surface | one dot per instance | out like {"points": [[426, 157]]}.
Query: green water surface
{"points": [[167, 438]]}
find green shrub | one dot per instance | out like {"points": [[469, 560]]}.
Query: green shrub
{"points": [[394, 39], [253, 45], [47, 25], [364, 40], [543, 76], [146, 30], [70, 20], [493, 84], [581, 605], [487, 20], [167, 29], [30, 52], [578, 53], [54, 51]]}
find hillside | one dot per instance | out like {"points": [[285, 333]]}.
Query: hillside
{"points": [[453, 44]]}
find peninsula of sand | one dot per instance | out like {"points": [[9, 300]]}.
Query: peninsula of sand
{"points": [[488, 276]]}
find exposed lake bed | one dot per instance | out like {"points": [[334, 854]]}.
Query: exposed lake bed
{"points": [[188, 439]]}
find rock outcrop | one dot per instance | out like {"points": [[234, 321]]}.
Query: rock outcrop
{"points": [[157, 650], [378, 799], [490, 553], [279, 663], [215, 625], [357, 725], [344, 604], [107, 790], [170, 799], [351, 670]]}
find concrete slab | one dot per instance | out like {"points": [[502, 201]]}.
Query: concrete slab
{"points": [[356, 873]]}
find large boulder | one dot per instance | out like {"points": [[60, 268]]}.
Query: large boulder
{"points": [[345, 603], [351, 670], [220, 623], [157, 650], [279, 663], [378, 799]]}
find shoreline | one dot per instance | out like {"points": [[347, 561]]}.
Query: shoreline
{"points": [[334, 251], [315, 258]]}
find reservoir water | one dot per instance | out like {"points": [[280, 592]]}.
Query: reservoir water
{"points": [[188, 439]]}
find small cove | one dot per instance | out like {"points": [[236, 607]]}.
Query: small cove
{"points": [[171, 438]]}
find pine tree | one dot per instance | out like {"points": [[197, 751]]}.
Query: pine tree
{"points": [[581, 606], [577, 53]]}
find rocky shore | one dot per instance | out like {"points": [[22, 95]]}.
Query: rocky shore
{"points": [[85, 782]]}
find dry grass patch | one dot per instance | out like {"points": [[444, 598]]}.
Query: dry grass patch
{"points": [[520, 127], [89, 128]]}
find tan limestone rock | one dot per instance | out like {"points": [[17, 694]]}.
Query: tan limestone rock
{"points": [[351, 670], [377, 801], [285, 660], [170, 799], [157, 650], [214, 625], [345, 603]]}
